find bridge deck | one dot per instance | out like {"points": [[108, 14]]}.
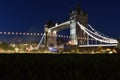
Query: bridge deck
{"points": [[102, 45]]}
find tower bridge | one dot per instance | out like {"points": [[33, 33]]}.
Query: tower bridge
{"points": [[82, 34]]}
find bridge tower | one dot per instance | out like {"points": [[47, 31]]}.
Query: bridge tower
{"points": [[78, 37], [50, 36]]}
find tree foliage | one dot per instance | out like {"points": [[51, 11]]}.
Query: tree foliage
{"points": [[4, 45]]}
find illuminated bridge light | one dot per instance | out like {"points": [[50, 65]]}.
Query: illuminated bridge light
{"points": [[38, 34], [8, 32], [0, 32], [31, 33], [58, 35], [27, 34], [5, 32], [34, 33], [12, 32], [41, 34], [16, 33], [23, 33], [20, 33]]}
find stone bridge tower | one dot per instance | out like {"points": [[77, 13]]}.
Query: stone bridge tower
{"points": [[78, 37], [50, 36]]}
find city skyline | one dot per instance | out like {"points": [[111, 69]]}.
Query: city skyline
{"points": [[31, 16]]}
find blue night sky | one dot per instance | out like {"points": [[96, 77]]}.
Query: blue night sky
{"points": [[31, 15]]}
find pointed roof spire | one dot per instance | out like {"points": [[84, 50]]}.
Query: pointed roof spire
{"points": [[77, 8], [50, 23]]}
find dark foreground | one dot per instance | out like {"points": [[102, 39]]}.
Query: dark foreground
{"points": [[59, 67]]}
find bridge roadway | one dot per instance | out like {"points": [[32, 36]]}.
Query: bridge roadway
{"points": [[102, 45], [61, 26]]}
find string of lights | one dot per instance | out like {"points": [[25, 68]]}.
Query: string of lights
{"points": [[29, 34], [37, 34]]}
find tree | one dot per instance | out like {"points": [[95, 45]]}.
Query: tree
{"points": [[22, 46], [4, 45]]}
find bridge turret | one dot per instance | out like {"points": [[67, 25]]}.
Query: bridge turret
{"points": [[78, 9], [73, 28], [50, 23], [78, 15], [50, 36]]}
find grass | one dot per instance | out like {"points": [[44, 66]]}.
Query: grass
{"points": [[59, 67]]}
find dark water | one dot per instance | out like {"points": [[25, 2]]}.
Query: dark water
{"points": [[59, 67]]}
